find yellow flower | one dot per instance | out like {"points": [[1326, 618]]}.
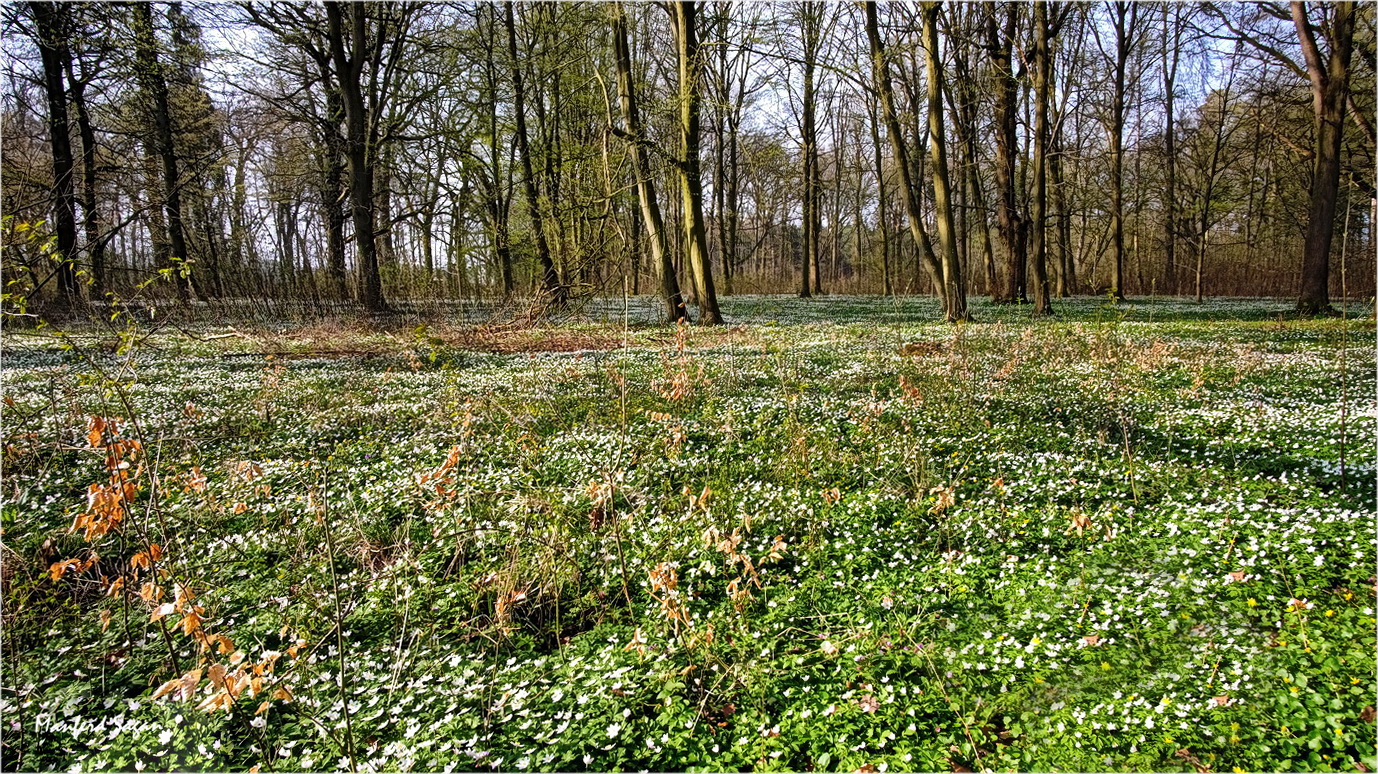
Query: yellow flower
{"points": [[1105, 665], [1251, 602], [1329, 613]]}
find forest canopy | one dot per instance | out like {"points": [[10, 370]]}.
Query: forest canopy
{"points": [[1025, 151]]}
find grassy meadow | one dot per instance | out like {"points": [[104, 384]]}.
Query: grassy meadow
{"points": [[832, 535]]}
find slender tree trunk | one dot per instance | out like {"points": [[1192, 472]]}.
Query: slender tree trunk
{"points": [[550, 278], [907, 184], [1067, 274], [691, 185], [882, 203], [954, 292], [497, 198], [95, 243], [1125, 16], [651, 218], [810, 20], [1042, 77], [1172, 39]]}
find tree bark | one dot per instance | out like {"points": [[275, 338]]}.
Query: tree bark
{"points": [[51, 20], [1042, 77], [155, 83], [691, 184], [651, 217], [550, 278], [95, 243], [1330, 91], [1013, 228], [954, 292], [810, 21], [1125, 16], [1172, 40], [881, 74], [360, 153]]}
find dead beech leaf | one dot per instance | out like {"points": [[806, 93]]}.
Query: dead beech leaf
{"points": [[1367, 714], [104, 619], [1091, 639], [168, 687], [1221, 701], [165, 609]]}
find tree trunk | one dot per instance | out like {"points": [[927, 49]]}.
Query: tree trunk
{"points": [[1125, 17], [1042, 77], [954, 292], [1067, 270], [154, 82], [359, 148], [907, 185], [1170, 60], [882, 203], [51, 21], [1010, 281], [95, 243], [810, 20], [645, 186], [1330, 91], [691, 185], [550, 278]]}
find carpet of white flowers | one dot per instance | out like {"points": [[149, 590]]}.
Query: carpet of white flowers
{"points": [[832, 535]]}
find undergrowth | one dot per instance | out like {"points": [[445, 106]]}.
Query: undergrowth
{"points": [[1129, 539]]}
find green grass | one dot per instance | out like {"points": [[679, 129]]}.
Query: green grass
{"points": [[1136, 537]]}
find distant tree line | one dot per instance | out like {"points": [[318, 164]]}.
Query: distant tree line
{"points": [[378, 152]]}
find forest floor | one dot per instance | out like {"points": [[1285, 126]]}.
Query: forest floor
{"points": [[832, 535]]}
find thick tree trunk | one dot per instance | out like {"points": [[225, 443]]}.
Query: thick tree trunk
{"points": [[50, 19], [691, 185], [1330, 91], [359, 151], [1013, 228], [651, 218], [154, 82]]}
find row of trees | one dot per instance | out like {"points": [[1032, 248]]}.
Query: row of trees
{"points": [[481, 150]]}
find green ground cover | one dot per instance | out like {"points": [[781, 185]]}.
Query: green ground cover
{"points": [[832, 535]]}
